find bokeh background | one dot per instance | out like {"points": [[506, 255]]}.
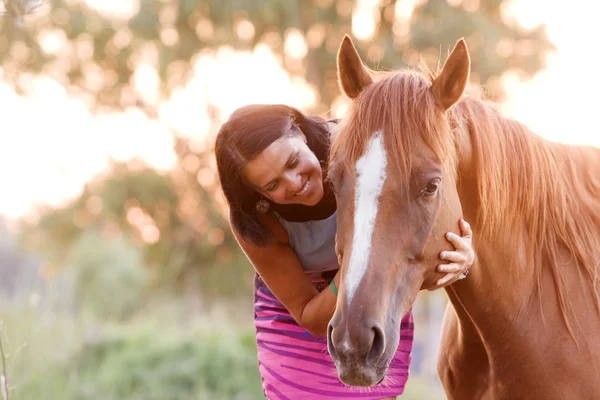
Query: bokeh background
{"points": [[119, 277]]}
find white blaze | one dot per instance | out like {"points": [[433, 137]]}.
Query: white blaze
{"points": [[370, 169]]}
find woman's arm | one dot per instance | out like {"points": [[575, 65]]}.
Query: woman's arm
{"points": [[280, 269]]}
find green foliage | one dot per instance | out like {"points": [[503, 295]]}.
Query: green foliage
{"points": [[56, 357], [39, 349], [109, 275], [418, 389], [53, 356], [231, 280], [188, 230], [164, 366]]}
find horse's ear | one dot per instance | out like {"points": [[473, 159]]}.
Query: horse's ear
{"points": [[450, 84], [353, 76]]}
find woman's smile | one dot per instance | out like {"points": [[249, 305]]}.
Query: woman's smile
{"points": [[287, 172], [304, 189]]}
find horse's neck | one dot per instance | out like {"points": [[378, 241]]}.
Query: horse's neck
{"points": [[497, 287], [486, 288]]}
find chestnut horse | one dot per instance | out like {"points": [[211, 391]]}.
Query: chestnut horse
{"points": [[417, 152]]}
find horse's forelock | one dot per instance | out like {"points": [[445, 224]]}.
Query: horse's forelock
{"points": [[400, 105]]}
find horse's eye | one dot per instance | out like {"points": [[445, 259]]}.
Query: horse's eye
{"points": [[431, 188]]}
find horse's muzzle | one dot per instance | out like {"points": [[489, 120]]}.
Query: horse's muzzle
{"points": [[359, 354]]}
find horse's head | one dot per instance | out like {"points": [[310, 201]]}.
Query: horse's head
{"points": [[393, 168]]}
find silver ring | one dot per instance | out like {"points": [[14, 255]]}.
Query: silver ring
{"points": [[464, 274]]}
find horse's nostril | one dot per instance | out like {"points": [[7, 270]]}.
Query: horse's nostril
{"points": [[330, 340], [378, 344]]}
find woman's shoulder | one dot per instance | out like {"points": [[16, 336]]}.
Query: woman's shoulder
{"points": [[272, 223]]}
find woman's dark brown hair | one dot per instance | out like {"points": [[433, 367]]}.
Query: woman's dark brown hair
{"points": [[248, 131]]}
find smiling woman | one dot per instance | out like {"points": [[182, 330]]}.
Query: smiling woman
{"points": [[272, 163], [266, 155], [287, 172]]}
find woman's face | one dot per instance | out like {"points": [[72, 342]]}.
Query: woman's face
{"points": [[287, 172]]}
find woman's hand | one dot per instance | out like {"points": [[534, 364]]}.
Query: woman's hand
{"points": [[461, 259]]}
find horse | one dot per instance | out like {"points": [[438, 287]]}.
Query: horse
{"points": [[417, 151]]}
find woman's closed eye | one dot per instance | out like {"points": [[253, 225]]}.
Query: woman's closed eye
{"points": [[293, 163], [272, 186]]}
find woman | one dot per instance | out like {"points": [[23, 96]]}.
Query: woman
{"points": [[272, 163]]}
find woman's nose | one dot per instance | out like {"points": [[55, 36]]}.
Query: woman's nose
{"points": [[294, 181]]}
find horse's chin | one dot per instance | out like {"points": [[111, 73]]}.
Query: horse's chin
{"points": [[365, 374]]}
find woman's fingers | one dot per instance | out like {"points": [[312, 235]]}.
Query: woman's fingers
{"points": [[465, 228], [458, 242], [450, 268], [460, 259], [445, 279], [453, 256]]}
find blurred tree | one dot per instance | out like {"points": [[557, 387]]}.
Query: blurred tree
{"points": [[98, 263], [176, 218], [102, 56]]}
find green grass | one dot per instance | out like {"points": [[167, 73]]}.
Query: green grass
{"points": [[54, 356], [158, 355]]}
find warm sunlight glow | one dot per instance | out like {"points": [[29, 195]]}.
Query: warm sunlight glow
{"points": [[560, 103], [57, 144], [147, 83], [404, 9], [52, 40], [120, 9], [295, 45], [229, 79], [237, 78], [244, 29], [401, 26], [365, 18], [53, 154]]}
